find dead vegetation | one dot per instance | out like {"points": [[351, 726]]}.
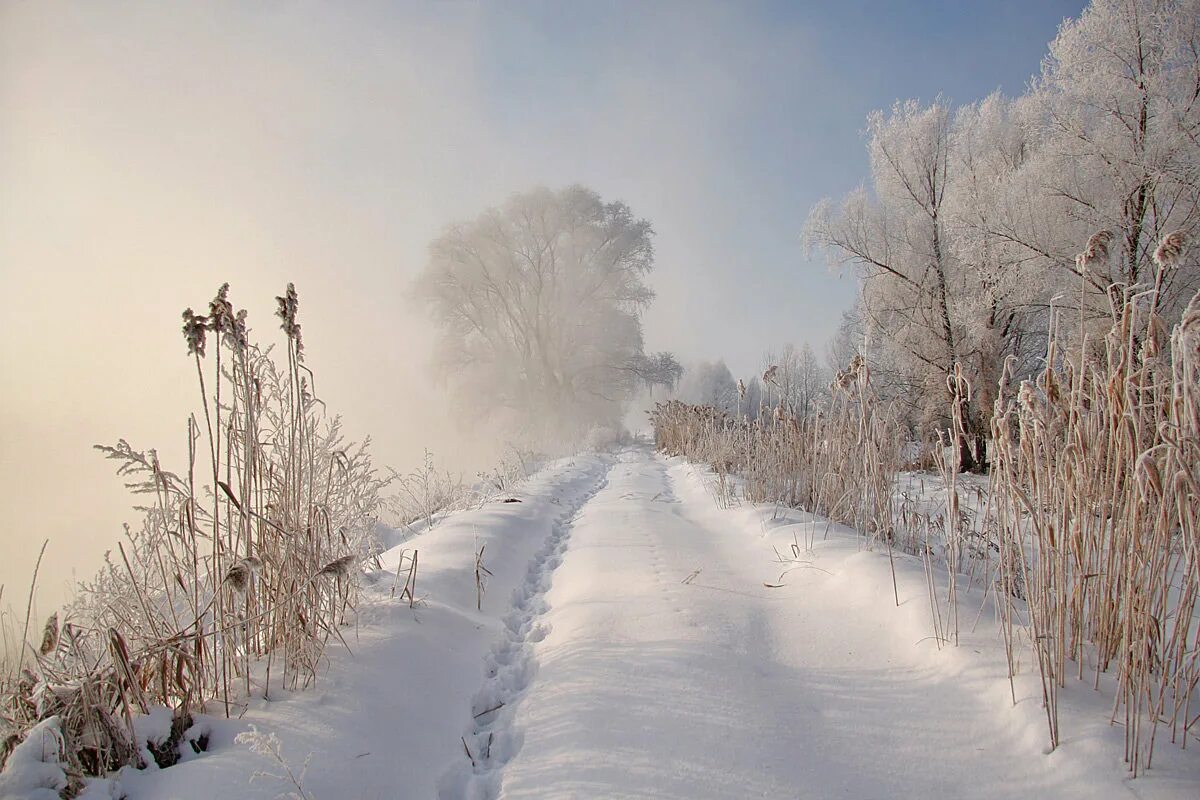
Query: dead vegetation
{"points": [[1088, 534], [242, 571]]}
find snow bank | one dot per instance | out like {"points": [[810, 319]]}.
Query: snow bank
{"points": [[33, 770]]}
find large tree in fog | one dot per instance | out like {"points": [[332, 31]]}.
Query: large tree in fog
{"points": [[710, 384], [538, 305]]}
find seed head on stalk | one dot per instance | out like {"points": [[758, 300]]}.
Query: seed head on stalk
{"points": [[288, 305]]}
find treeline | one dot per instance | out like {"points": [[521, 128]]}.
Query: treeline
{"points": [[971, 228]]}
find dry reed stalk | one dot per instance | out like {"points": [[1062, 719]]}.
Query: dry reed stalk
{"points": [[1088, 535], [259, 563], [480, 580]]}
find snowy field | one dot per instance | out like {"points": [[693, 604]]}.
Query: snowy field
{"points": [[1001, 376], [635, 642]]}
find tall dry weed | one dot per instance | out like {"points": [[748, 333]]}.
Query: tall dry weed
{"points": [[1088, 534], [245, 559]]}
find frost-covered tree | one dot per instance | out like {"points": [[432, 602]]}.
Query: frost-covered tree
{"points": [[710, 384], [1005, 307], [1118, 105], [812, 382], [750, 397], [799, 380], [914, 286], [974, 222], [1111, 147], [847, 340], [538, 305], [657, 369]]}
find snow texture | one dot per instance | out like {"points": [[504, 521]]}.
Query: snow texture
{"points": [[33, 770], [630, 647]]}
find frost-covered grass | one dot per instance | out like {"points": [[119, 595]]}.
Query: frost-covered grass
{"points": [[627, 646], [246, 565], [1097, 513], [424, 494], [243, 570], [388, 714], [1087, 531]]}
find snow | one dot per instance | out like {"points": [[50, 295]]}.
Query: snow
{"points": [[387, 720], [32, 770], [651, 684], [628, 646], [152, 729]]}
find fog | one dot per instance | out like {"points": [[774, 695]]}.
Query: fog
{"points": [[149, 153]]}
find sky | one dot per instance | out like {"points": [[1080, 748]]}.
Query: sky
{"points": [[151, 151]]}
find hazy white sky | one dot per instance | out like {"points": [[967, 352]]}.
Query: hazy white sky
{"points": [[151, 151]]}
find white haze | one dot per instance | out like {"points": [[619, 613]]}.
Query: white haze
{"points": [[150, 152]]}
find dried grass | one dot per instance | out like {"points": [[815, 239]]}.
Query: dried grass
{"points": [[248, 556], [1088, 534]]}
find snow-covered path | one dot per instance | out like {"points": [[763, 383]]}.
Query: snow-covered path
{"points": [[665, 668], [628, 647]]}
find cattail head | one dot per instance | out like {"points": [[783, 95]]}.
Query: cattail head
{"points": [[741, 389], [194, 326], [220, 311], [1148, 475], [239, 574], [1096, 250], [288, 305], [339, 568], [769, 375], [238, 335], [49, 635], [1156, 337], [1170, 250], [1027, 396], [238, 577]]}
